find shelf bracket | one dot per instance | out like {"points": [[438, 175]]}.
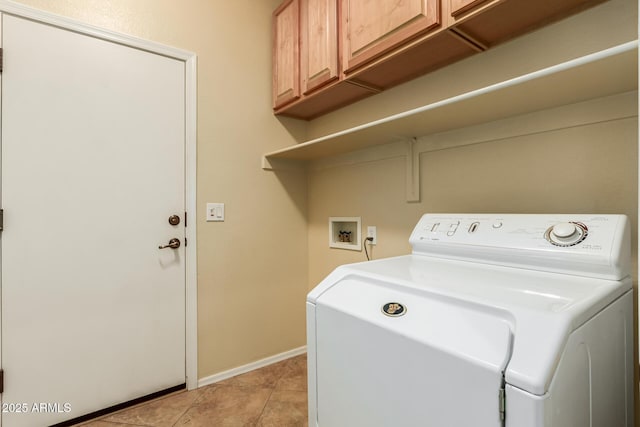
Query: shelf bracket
{"points": [[267, 163], [412, 171], [275, 164]]}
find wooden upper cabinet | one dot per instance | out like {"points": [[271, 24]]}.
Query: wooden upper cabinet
{"points": [[330, 53], [458, 7], [286, 53], [370, 28], [319, 45]]}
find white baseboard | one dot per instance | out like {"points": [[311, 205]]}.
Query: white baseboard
{"points": [[212, 379]]}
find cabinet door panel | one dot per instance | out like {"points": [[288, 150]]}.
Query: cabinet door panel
{"points": [[372, 27], [319, 43], [286, 59]]}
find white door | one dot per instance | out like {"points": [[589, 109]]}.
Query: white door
{"points": [[93, 140]]}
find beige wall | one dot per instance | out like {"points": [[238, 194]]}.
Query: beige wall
{"points": [[580, 158], [252, 268]]}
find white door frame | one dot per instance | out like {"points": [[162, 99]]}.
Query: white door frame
{"points": [[190, 63]]}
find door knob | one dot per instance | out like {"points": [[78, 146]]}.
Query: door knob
{"points": [[173, 244]]}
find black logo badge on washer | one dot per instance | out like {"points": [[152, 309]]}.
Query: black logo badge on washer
{"points": [[394, 309]]}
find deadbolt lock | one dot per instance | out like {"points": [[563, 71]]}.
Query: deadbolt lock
{"points": [[174, 220]]}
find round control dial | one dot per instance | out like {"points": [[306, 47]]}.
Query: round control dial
{"points": [[566, 233]]}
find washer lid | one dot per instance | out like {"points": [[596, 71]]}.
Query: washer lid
{"points": [[434, 358], [476, 334], [540, 308]]}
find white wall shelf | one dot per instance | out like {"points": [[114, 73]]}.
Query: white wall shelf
{"points": [[607, 72]]}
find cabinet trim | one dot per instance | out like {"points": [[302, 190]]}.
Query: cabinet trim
{"points": [[328, 30], [457, 9], [291, 93]]}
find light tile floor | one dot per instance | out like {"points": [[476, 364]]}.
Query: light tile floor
{"points": [[273, 396]]}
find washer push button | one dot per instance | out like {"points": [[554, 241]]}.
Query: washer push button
{"points": [[452, 228]]}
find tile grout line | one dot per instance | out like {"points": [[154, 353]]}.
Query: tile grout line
{"points": [[265, 406], [272, 390], [193, 404], [184, 412]]}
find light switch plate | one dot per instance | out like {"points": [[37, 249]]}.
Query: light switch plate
{"points": [[215, 211]]}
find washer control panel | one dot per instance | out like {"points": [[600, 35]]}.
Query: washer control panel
{"points": [[592, 245]]}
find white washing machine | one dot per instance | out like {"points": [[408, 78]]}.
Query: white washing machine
{"points": [[493, 320]]}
